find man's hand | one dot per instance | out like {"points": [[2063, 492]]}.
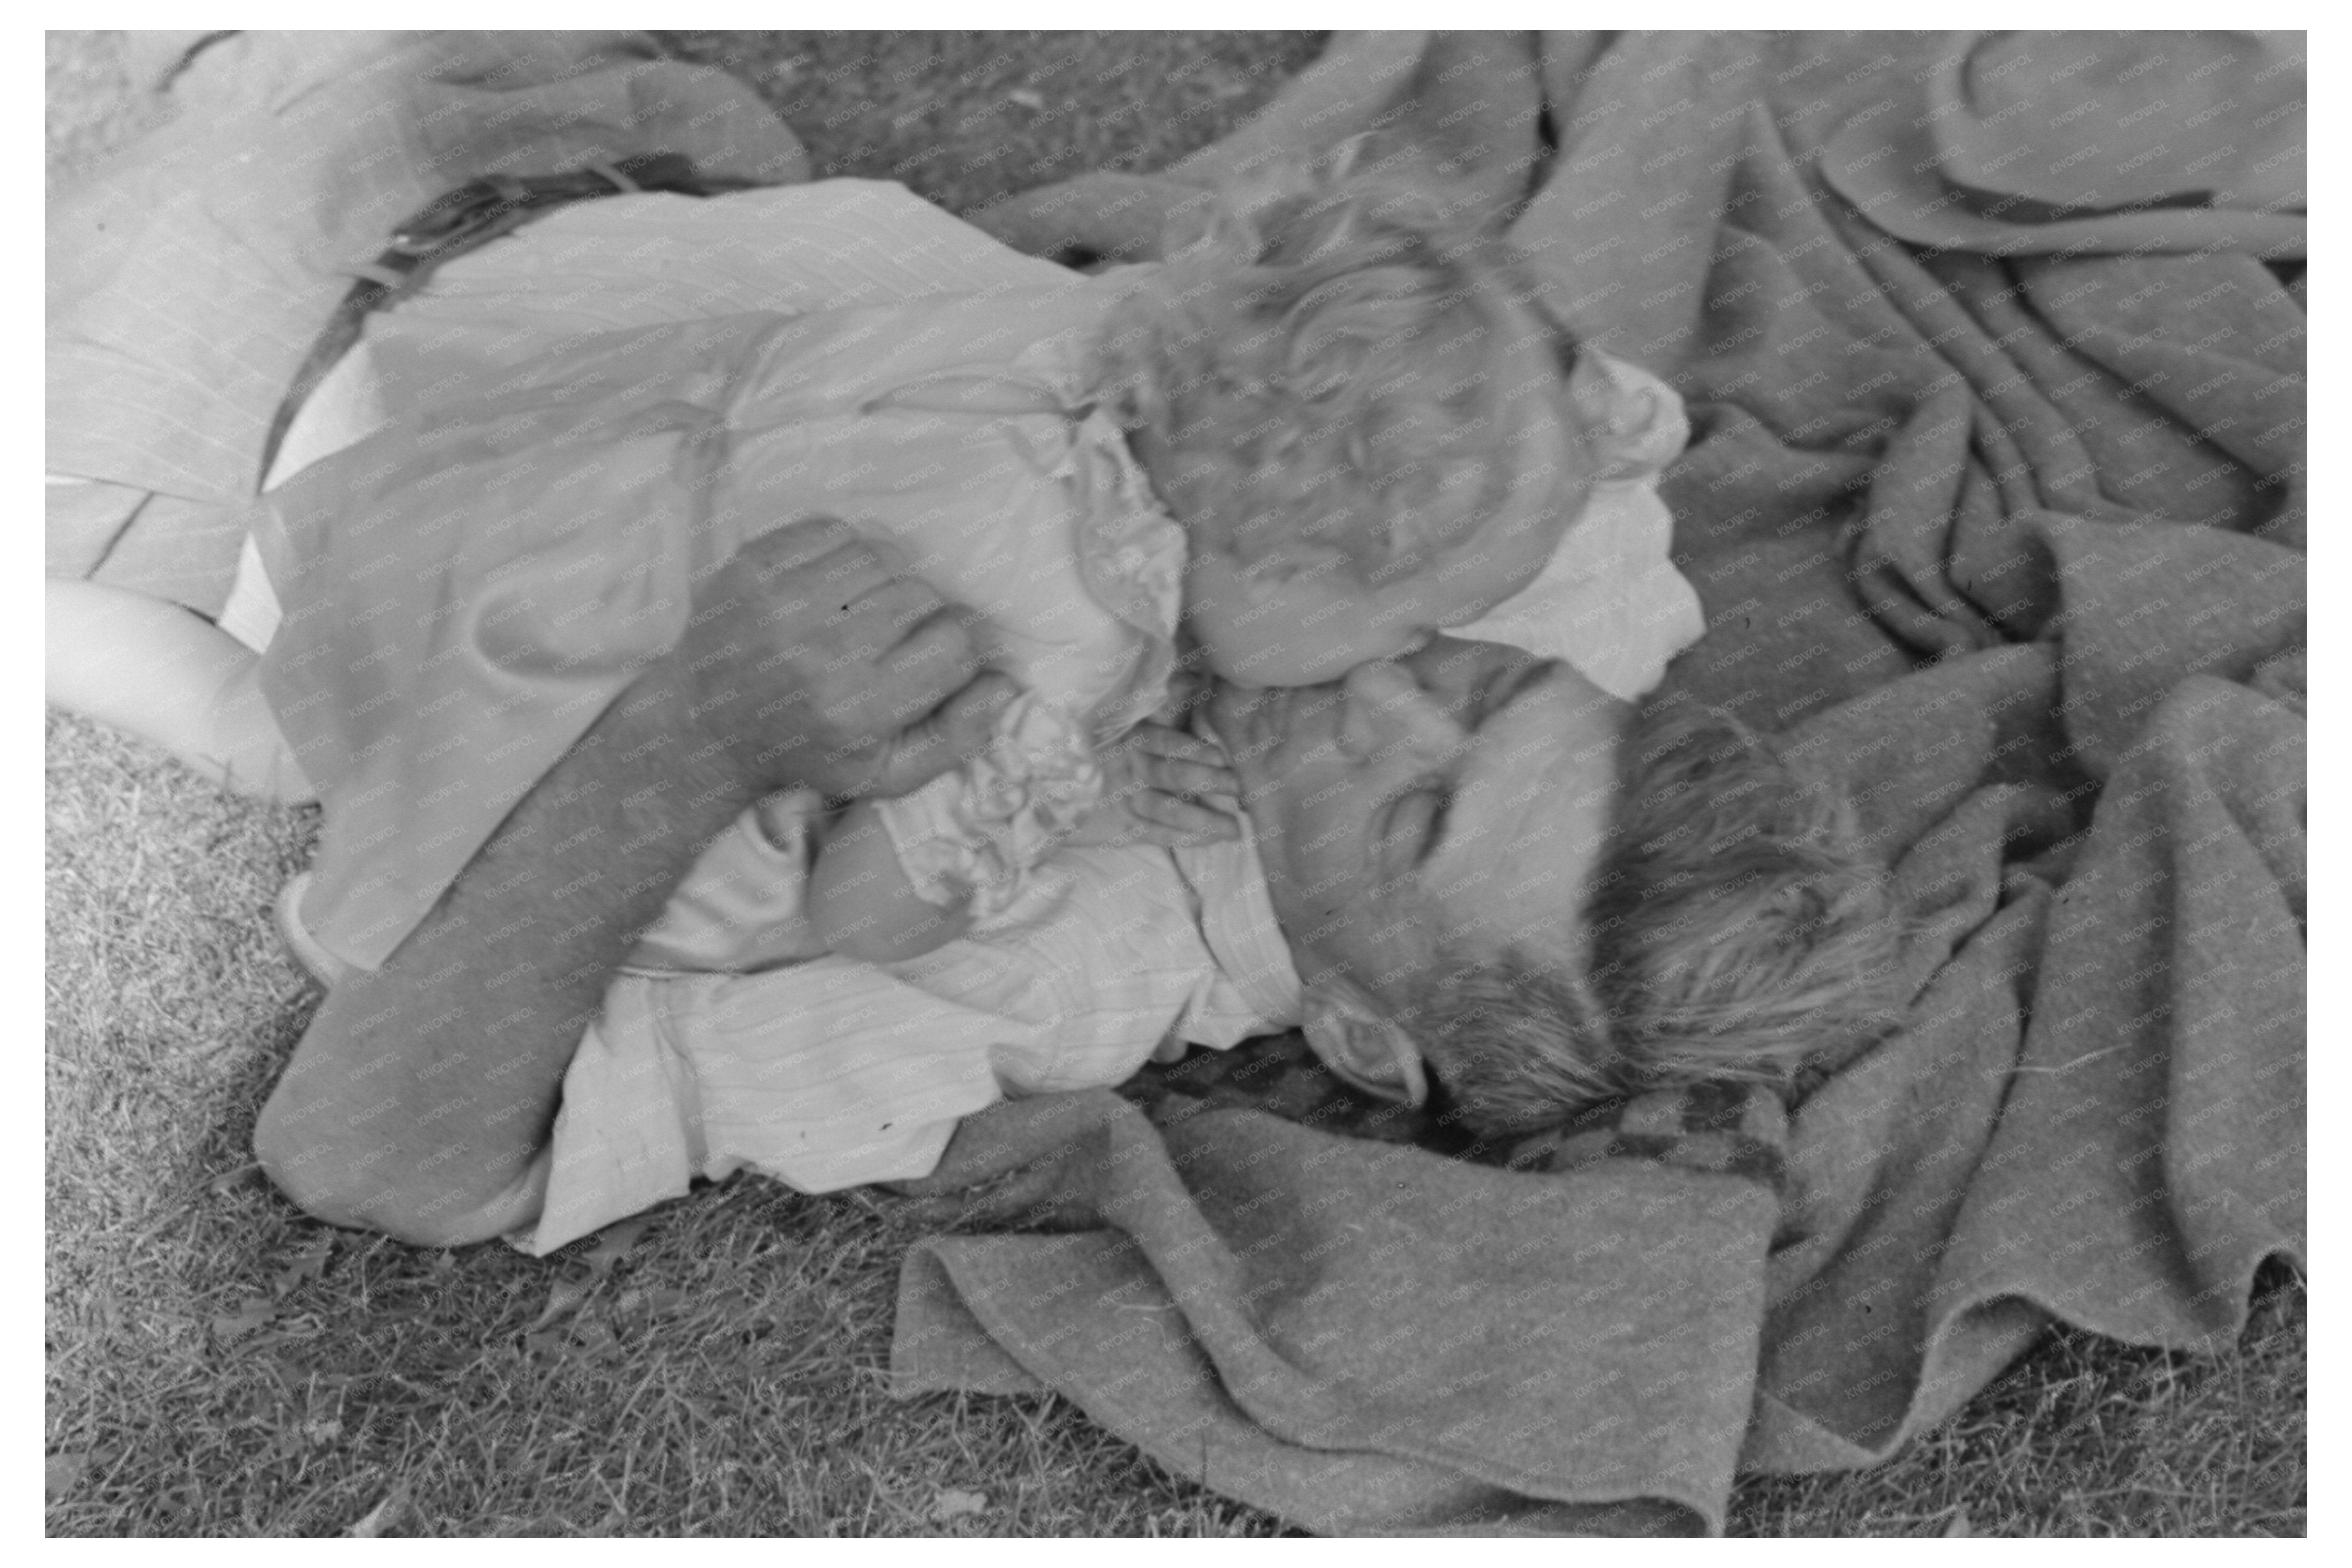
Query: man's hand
{"points": [[419, 1100], [815, 662]]}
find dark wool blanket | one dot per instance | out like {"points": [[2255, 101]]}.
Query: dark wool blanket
{"points": [[1996, 505]]}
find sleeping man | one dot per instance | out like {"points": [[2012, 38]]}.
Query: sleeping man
{"points": [[1422, 818], [1418, 830], [420, 1102]]}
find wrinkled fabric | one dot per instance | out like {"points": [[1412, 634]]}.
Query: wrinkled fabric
{"points": [[724, 1044], [467, 588], [2009, 548], [187, 277], [969, 837], [2198, 142]]}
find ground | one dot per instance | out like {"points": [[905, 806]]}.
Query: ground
{"points": [[219, 1364]]}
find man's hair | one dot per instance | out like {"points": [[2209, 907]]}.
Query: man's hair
{"points": [[1332, 338], [1736, 932]]}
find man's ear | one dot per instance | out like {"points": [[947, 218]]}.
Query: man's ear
{"points": [[1363, 1047]]}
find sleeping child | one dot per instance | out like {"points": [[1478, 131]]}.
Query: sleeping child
{"points": [[1304, 444]]}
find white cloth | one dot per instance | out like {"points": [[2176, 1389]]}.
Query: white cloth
{"points": [[729, 1043], [1610, 601], [968, 837]]}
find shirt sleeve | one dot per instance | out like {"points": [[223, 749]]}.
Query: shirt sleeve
{"points": [[638, 261], [463, 598], [833, 1073], [743, 905], [626, 1135]]}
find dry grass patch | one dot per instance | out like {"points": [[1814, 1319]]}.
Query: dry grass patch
{"points": [[966, 118]]}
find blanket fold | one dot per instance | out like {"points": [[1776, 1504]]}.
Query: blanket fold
{"points": [[181, 301], [1228, 1302], [1999, 524]]}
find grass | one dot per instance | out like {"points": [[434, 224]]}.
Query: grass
{"points": [[2087, 1437], [965, 118], [219, 1364]]}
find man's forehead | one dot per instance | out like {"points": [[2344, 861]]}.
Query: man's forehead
{"points": [[1530, 891], [1551, 719], [1496, 823], [1520, 826]]}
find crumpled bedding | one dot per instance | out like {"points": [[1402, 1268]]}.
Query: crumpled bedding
{"points": [[1997, 523]]}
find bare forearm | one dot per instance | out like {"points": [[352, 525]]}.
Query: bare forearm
{"points": [[458, 1045], [422, 1093], [532, 930]]}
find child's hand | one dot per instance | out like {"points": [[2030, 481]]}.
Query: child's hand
{"points": [[1154, 784]]}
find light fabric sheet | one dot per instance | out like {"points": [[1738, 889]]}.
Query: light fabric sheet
{"points": [[730, 1042]]}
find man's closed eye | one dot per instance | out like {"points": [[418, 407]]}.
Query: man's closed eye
{"points": [[1498, 692], [1416, 822]]}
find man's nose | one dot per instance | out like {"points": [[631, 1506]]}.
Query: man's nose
{"points": [[1388, 710]]}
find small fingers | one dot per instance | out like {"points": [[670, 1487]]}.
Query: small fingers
{"points": [[1187, 779], [1190, 822], [1178, 763], [1161, 740]]}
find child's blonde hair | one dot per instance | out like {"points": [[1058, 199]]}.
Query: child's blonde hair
{"points": [[1333, 342]]}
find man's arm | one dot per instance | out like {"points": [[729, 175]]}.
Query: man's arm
{"points": [[419, 1099]]}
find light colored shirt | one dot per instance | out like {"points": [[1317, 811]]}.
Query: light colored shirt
{"points": [[728, 1043], [477, 580]]}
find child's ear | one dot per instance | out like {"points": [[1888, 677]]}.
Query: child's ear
{"points": [[1363, 1047]]}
